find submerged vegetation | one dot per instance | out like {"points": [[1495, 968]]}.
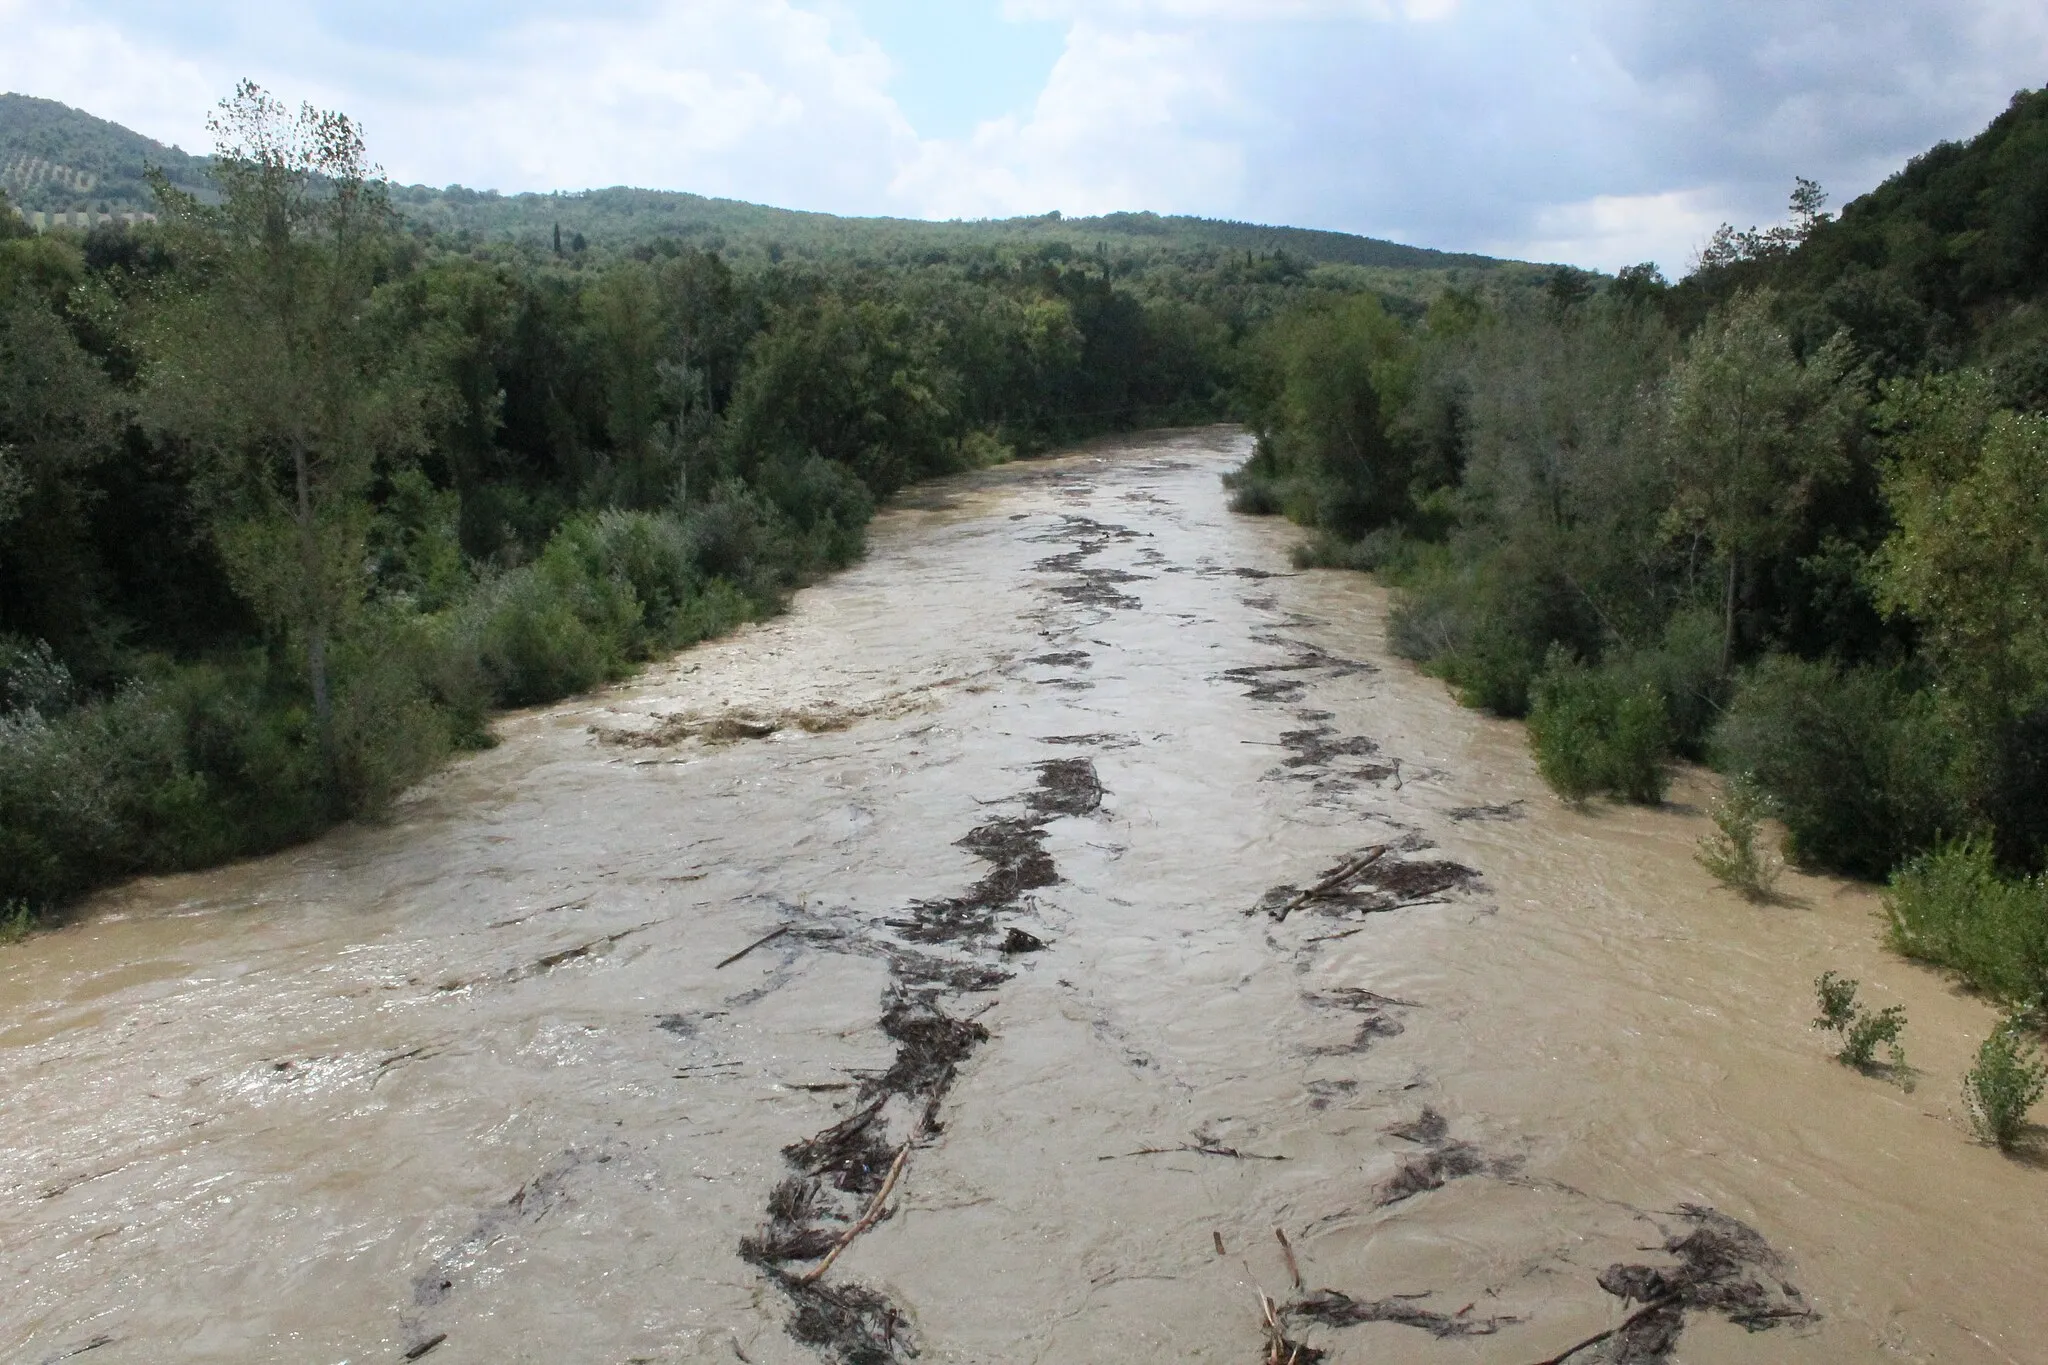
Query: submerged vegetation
{"points": [[1861, 1029], [1736, 854], [1788, 516], [2007, 1080]]}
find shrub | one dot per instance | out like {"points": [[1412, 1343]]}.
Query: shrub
{"points": [[1861, 1031], [1595, 730], [1860, 1041], [1685, 668], [17, 921], [1858, 765], [1952, 907], [1836, 996], [2007, 1081], [826, 508], [551, 629], [1373, 551], [32, 678], [388, 731], [984, 447], [1253, 496], [202, 763], [1733, 853]]}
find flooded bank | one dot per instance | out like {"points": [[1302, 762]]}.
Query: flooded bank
{"points": [[947, 910]]}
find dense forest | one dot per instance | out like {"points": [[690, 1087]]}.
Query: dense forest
{"points": [[294, 489], [1788, 516]]}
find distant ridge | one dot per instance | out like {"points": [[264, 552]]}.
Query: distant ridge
{"points": [[57, 159], [620, 216]]}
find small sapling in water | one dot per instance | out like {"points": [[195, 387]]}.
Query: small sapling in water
{"points": [[1860, 1043], [1862, 1031], [1837, 997], [1735, 854], [2006, 1082]]}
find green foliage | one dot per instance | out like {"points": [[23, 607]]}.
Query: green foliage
{"points": [[1338, 369], [2007, 1080], [17, 921], [1734, 854], [1862, 1030], [1753, 432], [1967, 562], [1597, 730], [1868, 1031], [1953, 907], [68, 143], [1836, 996], [1858, 764]]}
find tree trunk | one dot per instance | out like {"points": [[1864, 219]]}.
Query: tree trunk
{"points": [[1728, 616], [314, 622]]}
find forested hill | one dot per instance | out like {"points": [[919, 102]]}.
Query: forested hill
{"points": [[619, 216], [55, 158]]}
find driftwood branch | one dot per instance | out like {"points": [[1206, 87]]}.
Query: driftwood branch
{"points": [[1293, 1266], [757, 943], [867, 1220], [1333, 881], [1631, 1320]]}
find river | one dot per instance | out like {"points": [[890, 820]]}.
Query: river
{"points": [[1016, 804]]}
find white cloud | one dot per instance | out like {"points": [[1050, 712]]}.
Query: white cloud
{"points": [[55, 51], [1598, 132], [1130, 118], [1610, 231]]}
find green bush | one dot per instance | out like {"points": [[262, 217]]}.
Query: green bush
{"points": [[1836, 997], [552, 628], [1862, 1031], [827, 509], [1861, 1039], [1374, 551], [1596, 730], [389, 733], [1734, 854], [2007, 1080], [1685, 668], [1253, 496], [1952, 906], [1860, 766], [202, 764]]}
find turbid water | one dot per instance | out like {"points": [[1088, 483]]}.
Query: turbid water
{"points": [[1015, 804]]}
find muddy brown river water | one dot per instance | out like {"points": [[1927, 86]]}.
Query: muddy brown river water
{"points": [[1014, 804]]}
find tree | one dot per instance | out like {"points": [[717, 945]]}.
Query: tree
{"points": [[1968, 558], [275, 367], [1752, 433], [58, 418]]}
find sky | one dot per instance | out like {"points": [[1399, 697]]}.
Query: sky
{"points": [[1595, 132]]}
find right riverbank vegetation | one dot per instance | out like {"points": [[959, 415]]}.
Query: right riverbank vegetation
{"points": [[1787, 516]]}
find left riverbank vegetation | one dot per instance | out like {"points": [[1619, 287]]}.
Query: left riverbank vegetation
{"points": [[1787, 516], [296, 489]]}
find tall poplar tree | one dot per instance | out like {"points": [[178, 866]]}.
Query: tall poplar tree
{"points": [[1752, 433], [274, 367]]}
